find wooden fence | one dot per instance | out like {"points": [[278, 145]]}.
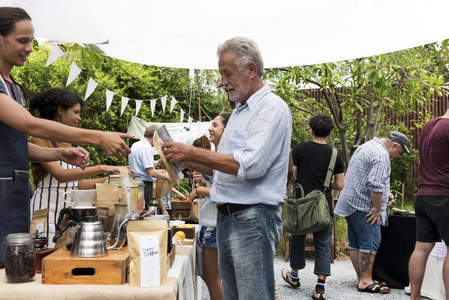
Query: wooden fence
{"points": [[436, 107]]}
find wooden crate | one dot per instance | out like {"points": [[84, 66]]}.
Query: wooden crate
{"points": [[180, 210], [61, 268]]}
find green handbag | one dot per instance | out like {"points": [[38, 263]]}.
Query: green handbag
{"points": [[310, 213]]}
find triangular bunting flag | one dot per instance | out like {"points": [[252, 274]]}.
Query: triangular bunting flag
{"points": [[91, 85], [138, 106], [164, 101], [172, 103], [74, 72], [55, 53], [109, 96], [182, 116], [153, 106], [192, 73], [124, 104]]}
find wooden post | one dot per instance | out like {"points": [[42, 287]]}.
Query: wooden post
{"points": [[403, 193], [199, 95]]}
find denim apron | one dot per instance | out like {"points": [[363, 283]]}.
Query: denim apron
{"points": [[14, 178]]}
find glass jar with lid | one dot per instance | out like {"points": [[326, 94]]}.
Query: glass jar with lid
{"points": [[20, 264], [137, 192], [115, 178], [140, 190]]}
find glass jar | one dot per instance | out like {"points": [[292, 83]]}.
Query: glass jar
{"points": [[137, 192], [116, 178], [20, 264]]}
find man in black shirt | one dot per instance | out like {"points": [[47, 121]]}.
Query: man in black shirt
{"points": [[310, 163]]}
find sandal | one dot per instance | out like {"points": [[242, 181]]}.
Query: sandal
{"points": [[375, 288], [378, 282], [381, 283]]}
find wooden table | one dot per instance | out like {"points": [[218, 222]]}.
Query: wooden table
{"points": [[182, 266]]}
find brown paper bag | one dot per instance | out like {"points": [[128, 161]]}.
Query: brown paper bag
{"points": [[138, 231], [169, 166], [163, 187], [107, 195], [39, 222]]}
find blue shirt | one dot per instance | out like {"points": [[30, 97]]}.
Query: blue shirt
{"points": [[369, 170], [258, 136], [141, 158]]}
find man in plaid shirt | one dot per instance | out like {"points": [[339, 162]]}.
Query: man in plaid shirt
{"points": [[364, 201]]}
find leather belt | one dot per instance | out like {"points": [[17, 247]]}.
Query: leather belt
{"points": [[226, 209]]}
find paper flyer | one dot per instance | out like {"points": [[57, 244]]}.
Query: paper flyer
{"points": [[174, 170]]}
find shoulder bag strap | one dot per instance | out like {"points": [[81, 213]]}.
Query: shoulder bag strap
{"points": [[330, 169]]}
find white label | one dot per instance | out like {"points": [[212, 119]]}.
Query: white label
{"points": [[128, 192], [149, 261], [40, 229]]}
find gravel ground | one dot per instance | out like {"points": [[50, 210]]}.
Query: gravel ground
{"points": [[339, 286]]}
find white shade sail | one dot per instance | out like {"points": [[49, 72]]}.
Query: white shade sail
{"points": [[185, 34]]}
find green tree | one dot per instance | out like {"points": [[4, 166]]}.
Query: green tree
{"points": [[357, 91]]}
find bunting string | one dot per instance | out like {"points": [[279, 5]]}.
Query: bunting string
{"points": [[56, 52]]}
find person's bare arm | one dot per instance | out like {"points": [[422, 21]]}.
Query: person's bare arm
{"points": [[291, 171], [181, 195], [17, 117], [89, 184], [67, 175], [339, 182], [374, 214], [199, 191], [161, 206], [182, 153], [160, 174], [75, 156]]}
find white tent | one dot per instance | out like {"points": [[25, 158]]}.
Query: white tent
{"points": [[180, 132], [185, 34]]}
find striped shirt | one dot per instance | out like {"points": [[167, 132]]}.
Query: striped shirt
{"points": [[50, 193], [368, 171]]}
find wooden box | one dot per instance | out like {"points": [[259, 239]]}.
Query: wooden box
{"points": [[180, 210], [61, 268]]}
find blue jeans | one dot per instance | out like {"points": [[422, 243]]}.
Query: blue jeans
{"points": [[247, 241], [322, 242], [208, 236], [361, 235]]}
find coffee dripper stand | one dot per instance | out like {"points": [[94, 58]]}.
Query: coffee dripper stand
{"points": [[118, 233]]}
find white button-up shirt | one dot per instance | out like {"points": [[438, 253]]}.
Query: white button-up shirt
{"points": [[258, 135]]}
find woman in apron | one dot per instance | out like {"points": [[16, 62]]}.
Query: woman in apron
{"points": [[16, 37]]}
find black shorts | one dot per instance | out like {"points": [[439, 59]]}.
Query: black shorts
{"points": [[432, 219]]}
